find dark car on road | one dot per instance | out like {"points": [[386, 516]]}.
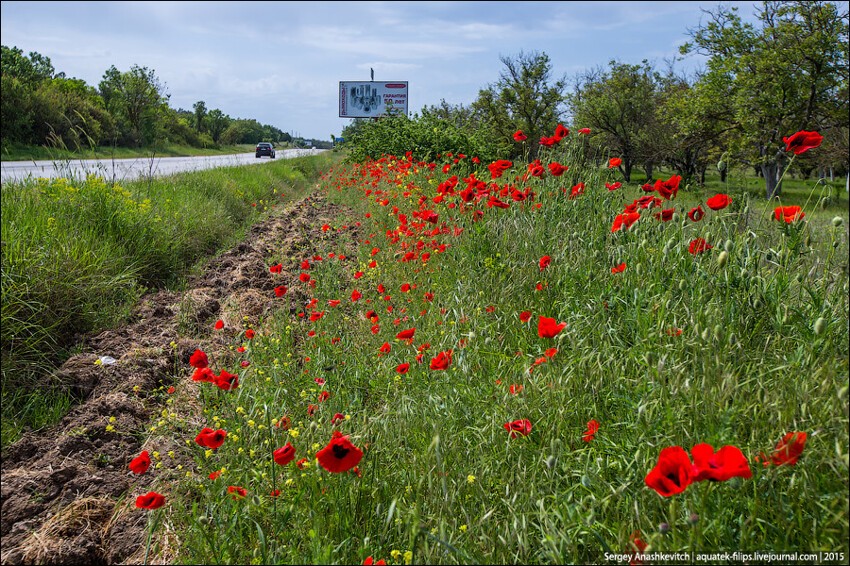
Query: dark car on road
{"points": [[264, 148]]}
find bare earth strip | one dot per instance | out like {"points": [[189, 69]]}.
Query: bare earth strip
{"points": [[67, 494]]}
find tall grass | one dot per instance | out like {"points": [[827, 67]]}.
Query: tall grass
{"points": [[77, 254], [735, 346]]}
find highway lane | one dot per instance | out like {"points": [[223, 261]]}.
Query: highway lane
{"points": [[132, 169]]}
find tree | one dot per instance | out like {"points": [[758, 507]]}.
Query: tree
{"points": [[21, 76], [217, 122], [621, 104], [137, 101], [778, 78], [200, 109], [524, 98]]}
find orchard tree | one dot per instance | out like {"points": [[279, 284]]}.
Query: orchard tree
{"points": [[780, 76], [524, 98], [620, 104]]}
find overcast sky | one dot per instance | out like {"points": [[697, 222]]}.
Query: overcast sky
{"points": [[281, 62]]}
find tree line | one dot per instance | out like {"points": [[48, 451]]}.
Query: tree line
{"points": [[762, 82], [127, 109]]}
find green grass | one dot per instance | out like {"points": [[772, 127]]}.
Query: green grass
{"points": [[44, 153], [763, 351], [77, 255]]}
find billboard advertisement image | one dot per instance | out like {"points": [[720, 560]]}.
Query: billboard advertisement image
{"points": [[370, 99]]}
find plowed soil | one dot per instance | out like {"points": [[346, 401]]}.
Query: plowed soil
{"points": [[67, 494]]}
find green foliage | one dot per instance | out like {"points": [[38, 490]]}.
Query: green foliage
{"points": [[426, 136]]}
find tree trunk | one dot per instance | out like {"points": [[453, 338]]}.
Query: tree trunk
{"points": [[770, 171], [626, 168], [723, 173], [702, 176], [648, 168]]}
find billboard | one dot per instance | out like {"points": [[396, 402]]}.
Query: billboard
{"points": [[370, 99]]}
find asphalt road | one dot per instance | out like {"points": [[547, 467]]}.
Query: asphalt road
{"points": [[132, 169]]}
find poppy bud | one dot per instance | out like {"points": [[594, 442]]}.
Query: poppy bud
{"points": [[255, 500], [693, 519], [718, 332], [820, 326], [837, 221], [808, 240], [664, 528], [729, 245], [723, 258], [733, 339], [683, 285], [705, 335]]}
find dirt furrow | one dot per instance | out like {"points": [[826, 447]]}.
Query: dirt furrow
{"points": [[67, 495]]}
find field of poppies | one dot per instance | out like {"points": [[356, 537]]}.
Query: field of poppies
{"points": [[521, 362]]}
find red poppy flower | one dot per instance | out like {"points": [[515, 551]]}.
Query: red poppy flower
{"points": [[215, 475], [227, 381], [802, 141], [584, 131], [340, 455], [314, 316], [442, 360], [672, 474], [698, 246], [358, 274], [283, 456], [592, 429], [613, 186], [719, 201], [557, 169], [625, 220], [204, 374], [140, 463], [371, 561], [355, 295], [524, 316], [548, 141], [549, 327], [151, 500], [561, 132], [665, 215], [518, 427], [402, 368], [669, 188], [337, 417], [519, 136], [385, 348], [406, 334], [728, 462], [280, 290], [276, 268], [515, 389], [788, 449], [619, 268], [614, 162], [788, 213], [209, 438], [576, 191], [696, 214], [324, 396], [249, 334], [199, 360], [219, 324], [236, 491], [544, 262], [428, 297]]}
